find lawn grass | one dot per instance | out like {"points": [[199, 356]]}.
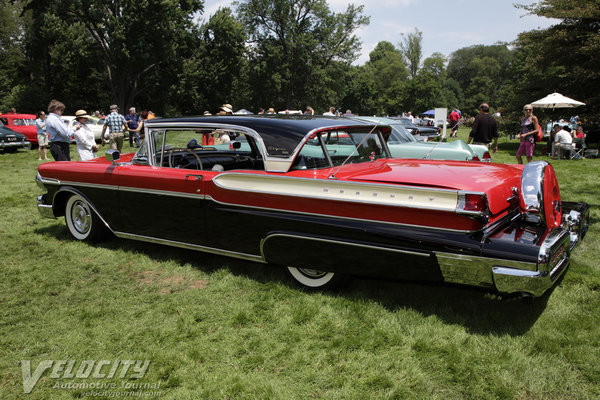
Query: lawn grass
{"points": [[220, 328]]}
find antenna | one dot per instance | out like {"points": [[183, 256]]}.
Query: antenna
{"points": [[332, 176]]}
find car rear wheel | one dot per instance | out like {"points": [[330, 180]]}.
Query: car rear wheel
{"points": [[83, 223], [315, 279]]}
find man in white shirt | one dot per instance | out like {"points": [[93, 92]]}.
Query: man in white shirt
{"points": [[562, 141], [331, 112]]}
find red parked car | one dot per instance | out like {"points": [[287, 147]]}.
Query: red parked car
{"points": [[323, 198], [22, 123]]}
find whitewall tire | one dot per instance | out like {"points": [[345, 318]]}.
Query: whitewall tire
{"points": [[82, 221], [315, 279]]}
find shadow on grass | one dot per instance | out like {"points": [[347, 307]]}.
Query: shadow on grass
{"points": [[477, 311]]}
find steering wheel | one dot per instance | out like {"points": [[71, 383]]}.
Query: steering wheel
{"points": [[184, 159]]}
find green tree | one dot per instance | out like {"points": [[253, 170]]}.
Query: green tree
{"points": [[428, 88], [387, 66], [133, 38], [482, 72], [412, 51], [295, 45], [215, 72], [562, 58], [13, 57], [361, 90]]}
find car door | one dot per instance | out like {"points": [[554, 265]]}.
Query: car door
{"points": [[159, 202]]}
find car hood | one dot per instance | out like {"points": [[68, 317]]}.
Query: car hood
{"points": [[7, 131], [495, 180]]}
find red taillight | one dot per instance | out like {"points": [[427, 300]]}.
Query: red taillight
{"points": [[487, 156], [475, 158], [474, 202]]}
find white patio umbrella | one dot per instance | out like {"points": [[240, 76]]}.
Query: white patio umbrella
{"points": [[557, 100]]}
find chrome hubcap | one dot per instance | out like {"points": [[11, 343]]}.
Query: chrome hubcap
{"points": [[312, 273], [81, 217]]}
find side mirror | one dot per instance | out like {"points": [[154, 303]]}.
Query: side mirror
{"points": [[113, 155], [236, 145]]}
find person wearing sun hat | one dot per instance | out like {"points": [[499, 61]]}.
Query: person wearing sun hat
{"points": [[226, 109], [84, 137]]}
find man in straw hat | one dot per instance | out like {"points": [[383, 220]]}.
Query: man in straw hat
{"points": [[116, 125]]}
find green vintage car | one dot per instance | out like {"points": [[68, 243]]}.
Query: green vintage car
{"points": [[403, 145]]}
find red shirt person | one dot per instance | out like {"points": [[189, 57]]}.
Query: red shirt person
{"points": [[453, 118]]}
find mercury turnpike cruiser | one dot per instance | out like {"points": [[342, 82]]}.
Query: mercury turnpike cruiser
{"points": [[323, 198]]}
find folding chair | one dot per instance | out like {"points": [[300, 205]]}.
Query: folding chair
{"points": [[578, 149], [563, 150]]}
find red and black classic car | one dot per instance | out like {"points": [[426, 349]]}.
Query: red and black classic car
{"points": [[324, 198]]}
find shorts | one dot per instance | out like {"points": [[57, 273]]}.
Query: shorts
{"points": [[42, 140], [526, 147]]}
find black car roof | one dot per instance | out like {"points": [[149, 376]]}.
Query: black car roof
{"points": [[281, 134]]}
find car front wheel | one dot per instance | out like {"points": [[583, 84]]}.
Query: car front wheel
{"points": [[315, 279], [82, 221]]}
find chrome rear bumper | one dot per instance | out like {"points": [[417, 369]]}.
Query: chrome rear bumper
{"points": [[512, 276]]}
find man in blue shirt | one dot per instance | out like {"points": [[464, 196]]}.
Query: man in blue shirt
{"points": [[57, 132], [116, 124], [132, 123]]}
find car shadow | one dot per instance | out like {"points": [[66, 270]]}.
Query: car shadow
{"points": [[478, 311]]}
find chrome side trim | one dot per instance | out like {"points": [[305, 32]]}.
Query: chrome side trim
{"points": [[361, 245], [124, 188], [355, 192], [46, 181], [89, 185], [162, 192], [208, 197], [190, 246]]}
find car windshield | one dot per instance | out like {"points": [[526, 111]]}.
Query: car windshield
{"points": [[406, 122], [400, 135], [338, 147]]}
